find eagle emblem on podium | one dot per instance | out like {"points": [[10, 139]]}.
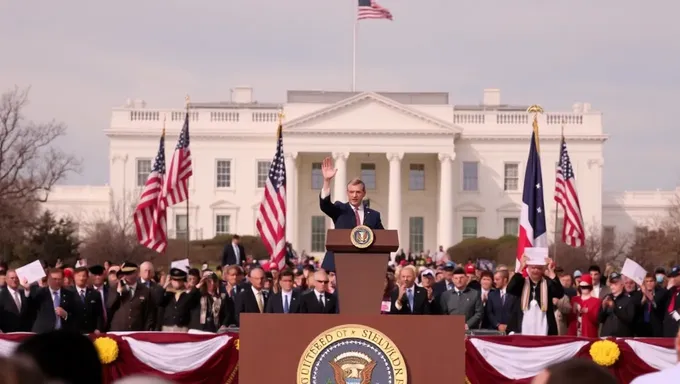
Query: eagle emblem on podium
{"points": [[362, 236], [352, 368]]}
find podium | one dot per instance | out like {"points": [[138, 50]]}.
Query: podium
{"points": [[358, 345]]}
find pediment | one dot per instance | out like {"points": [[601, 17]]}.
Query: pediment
{"points": [[469, 207], [510, 208], [370, 113], [223, 204]]}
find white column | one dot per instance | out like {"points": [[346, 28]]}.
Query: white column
{"points": [[340, 180], [394, 195], [446, 216], [291, 198]]}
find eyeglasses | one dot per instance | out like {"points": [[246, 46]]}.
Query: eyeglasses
{"points": [[323, 281]]}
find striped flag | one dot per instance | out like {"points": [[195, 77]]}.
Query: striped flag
{"points": [[370, 9], [532, 227], [177, 184], [573, 232], [150, 214], [271, 217]]}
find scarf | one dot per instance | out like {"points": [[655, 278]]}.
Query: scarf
{"points": [[543, 286], [216, 304]]}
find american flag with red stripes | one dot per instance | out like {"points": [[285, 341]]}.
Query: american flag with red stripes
{"points": [[370, 9], [271, 217], [150, 214], [573, 232], [177, 184]]}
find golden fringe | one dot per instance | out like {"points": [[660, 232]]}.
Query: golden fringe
{"points": [[232, 376]]}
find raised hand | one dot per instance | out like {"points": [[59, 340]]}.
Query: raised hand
{"points": [[327, 169]]}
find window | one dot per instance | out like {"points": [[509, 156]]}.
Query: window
{"points": [[470, 176], [608, 235], [511, 182], [181, 227], [469, 227], [416, 177], [318, 233], [262, 173], [317, 176], [416, 233], [143, 170], [510, 226], [368, 175], [367, 203], [222, 224], [223, 174]]}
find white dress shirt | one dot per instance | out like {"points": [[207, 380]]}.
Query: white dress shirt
{"points": [[319, 295], [81, 291], [285, 295], [668, 375], [16, 296], [361, 210]]}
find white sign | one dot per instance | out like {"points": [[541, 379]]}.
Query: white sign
{"points": [[634, 271], [30, 272], [182, 265]]}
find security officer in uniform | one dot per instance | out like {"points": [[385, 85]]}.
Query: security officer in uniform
{"points": [[178, 301], [130, 304]]}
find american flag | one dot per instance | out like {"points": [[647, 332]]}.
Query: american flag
{"points": [[150, 214], [271, 217], [566, 196], [177, 184], [370, 9], [532, 227]]}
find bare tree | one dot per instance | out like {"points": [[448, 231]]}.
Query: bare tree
{"points": [[596, 251]]}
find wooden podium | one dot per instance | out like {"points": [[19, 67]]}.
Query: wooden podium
{"points": [[320, 349]]}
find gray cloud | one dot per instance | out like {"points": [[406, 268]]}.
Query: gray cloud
{"points": [[83, 57]]}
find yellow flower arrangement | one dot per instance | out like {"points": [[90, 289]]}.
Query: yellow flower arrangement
{"points": [[605, 352], [107, 348]]}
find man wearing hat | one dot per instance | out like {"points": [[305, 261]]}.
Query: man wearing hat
{"points": [[536, 315], [178, 301], [672, 303], [617, 313], [101, 286], [130, 305]]}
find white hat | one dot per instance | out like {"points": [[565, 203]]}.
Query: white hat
{"points": [[536, 256], [427, 271]]}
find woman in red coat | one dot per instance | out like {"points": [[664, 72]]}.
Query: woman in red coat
{"points": [[583, 319]]}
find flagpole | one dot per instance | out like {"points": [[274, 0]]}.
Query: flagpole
{"points": [[557, 205], [354, 54], [186, 251]]}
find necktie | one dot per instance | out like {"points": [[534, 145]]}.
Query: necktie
{"points": [[17, 300], [260, 302], [503, 297], [286, 306], [237, 256], [101, 294], [321, 301], [409, 295], [449, 286], [458, 293], [232, 291], [648, 312], [132, 292], [82, 295], [356, 216], [671, 305], [57, 303]]}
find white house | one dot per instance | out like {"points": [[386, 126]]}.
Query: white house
{"points": [[437, 172]]}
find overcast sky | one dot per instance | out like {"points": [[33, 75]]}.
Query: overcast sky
{"points": [[84, 57]]}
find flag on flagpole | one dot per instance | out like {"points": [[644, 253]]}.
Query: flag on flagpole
{"points": [[150, 215], [573, 232], [370, 9], [532, 227], [271, 217], [177, 183]]}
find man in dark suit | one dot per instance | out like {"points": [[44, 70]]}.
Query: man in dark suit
{"points": [[252, 299], [130, 305], [15, 315], [409, 299], [233, 253], [87, 315], [53, 305], [319, 300], [345, 215], [287, 300], [100, 285], [500, 307]]}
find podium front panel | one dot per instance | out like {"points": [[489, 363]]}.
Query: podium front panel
{"points": [[310, 349]]}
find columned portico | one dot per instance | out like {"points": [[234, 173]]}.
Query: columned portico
{"points": [[394, 193], [291, 197], [340, 180], [446, 226]]}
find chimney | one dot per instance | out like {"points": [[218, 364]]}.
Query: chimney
{"points": [[492, 97], [242, 95]]}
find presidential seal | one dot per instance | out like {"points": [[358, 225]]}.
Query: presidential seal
{"points": [[352, 354], [362, 236]]}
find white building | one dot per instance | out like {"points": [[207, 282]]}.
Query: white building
{"points": [[437, 172]]}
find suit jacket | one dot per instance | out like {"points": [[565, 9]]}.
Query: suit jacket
{"points": [[275, 303], [604, 291], [343, 217], [88, 314], [131, 313], [500, 312], [46, 318], [555, 290], [310, 304], [468, 304], [157, 293], [11, 318], [205, 307], [177, 312], [229, 257], [246, 302], [421, 306]]}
